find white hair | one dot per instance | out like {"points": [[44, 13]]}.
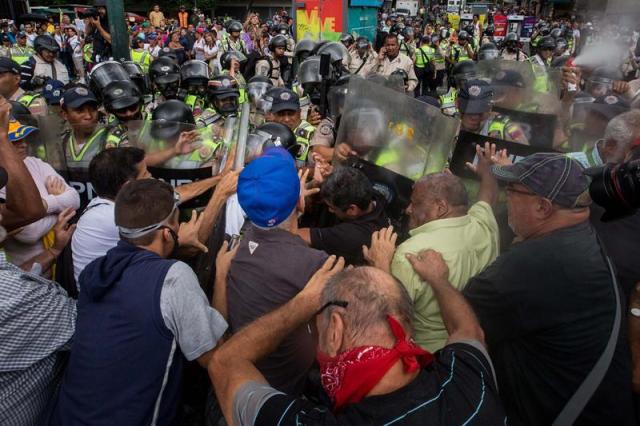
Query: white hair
{"points": [[623, 129]]}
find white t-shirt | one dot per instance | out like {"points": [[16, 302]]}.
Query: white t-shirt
{"points": [[95, 234], [198, 49]]}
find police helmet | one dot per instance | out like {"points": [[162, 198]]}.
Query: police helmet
{"points": [[547, 43], [512, 38], [45, 42], [164, 70], [303, 49], [318, 46], [408, 32], [400, 73], [396, 28], [226, 57], [545, 31], [561, 45], [463, 71], [469, 29], [434, 39], [137, 75], [347, 39], [488, 51], [277, 41], [169, 53], [362, 42], [104, 74], [444, 33], [490, 30], [120, 95], [194, 72], [223, 92], [336, 50], [171, 118], [309, 71], [257, 86], [463, 36], [556, 33], [283, 29], [234, 27], [270, 135]]}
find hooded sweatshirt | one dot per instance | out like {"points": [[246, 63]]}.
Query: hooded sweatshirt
{"points": [[124, 368]]}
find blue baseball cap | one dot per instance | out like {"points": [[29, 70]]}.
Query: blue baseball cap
{"points": [[268, 190], [475, 97]]}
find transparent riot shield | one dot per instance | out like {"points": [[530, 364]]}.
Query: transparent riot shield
{"points": [[180, 153], [394, 131]]}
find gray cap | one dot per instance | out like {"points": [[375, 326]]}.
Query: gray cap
{"points": [[556, 177]]}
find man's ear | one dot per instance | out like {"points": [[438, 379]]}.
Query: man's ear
{"points": [[335, 334]]}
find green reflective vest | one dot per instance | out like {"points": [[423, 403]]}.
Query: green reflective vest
{"points": [[21, 54], [304, 133], [94, 145], [424, 55], [459, 54], [142, 58]]}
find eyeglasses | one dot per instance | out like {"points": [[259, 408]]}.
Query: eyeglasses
{"points": [[340, 303], [513, 190]]}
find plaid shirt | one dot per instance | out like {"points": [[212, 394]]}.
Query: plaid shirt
{"points": [[38, 321]]}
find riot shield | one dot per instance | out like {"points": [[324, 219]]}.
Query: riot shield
{"points": [[394, 131], [180, 153], [106, 73]]}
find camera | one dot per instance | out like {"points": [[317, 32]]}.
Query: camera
{"points": [[616, 188], [90, 12]]}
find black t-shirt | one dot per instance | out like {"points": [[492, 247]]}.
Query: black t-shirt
{"points": [[347, 238], [457, 387], [547, 306]]}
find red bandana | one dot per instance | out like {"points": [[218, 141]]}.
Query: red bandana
{"points": [[349, 377]]}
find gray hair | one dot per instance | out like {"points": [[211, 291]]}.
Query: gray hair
{"points": [[372, 294], [623, 129], [445, 186]]}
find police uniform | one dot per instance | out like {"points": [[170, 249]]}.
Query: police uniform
{"points": [[118, 132], [424, 67], [359, 65], [21, 54], [539, 67], [500, 126], [459, 53], [79, 157], [142, 58], [388, 66], [324, 134], [518, 56], [206, 152], [304, 133], [448, 100], [270, 67], [238, 45], [35, 102]]}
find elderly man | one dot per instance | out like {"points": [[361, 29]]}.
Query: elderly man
{"points": [[549, 305], [440, 219], [370, 369], [619, 136], [272, 264], [390, 59]]}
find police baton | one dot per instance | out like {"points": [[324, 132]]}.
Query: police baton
{"points": [[325, 71]]}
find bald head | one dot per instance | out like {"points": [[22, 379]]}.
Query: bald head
{"points": [[437, 196], [372, 294]]}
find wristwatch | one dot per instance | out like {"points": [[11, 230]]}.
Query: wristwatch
{"points": [[635, 312]]}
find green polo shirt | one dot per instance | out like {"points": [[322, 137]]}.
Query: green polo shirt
{"points": [[468, 244]]}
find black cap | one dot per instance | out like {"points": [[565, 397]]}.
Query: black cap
{"points": [[77, 96], [475, 97], [609, 106], [4, 37], [509, 78], [556, 177], [9, 65], [283, 100]]}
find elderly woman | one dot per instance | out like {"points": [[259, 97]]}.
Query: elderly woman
{"points": [[57, 196]]}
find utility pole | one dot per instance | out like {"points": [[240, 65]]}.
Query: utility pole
{"points": [[118, 30]]}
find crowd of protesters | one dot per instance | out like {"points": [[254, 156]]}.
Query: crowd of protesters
{"points": [[209, 232]]}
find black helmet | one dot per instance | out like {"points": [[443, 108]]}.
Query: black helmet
{"points": [[556, 33], [488, 51], [347, 39], [303, 49], [309, 71], [512, 38], [121, 94], [45, 42], [283, 29], [400, 73], [408, 32], [444, 33], [277, 41], [490, 30], [169, 119], [234, 27], [223, 93], [336, 50], [257, 86], [164, 66], [362, 42], [463, 36], [18, 109], [463, 71], [605, 75], [545, 30], [469, 29], [226, 57], [396, 28], [137, 75], [194, 72], [547, 43], [169, 53], [271, 135], [104, 74], [434, 39]]}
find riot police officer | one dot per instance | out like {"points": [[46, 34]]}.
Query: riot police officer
{"points": [[362, 57], [232, 41], [285, 109], [462, 50], [20, 52], [487, 36], [424, 66], [43, 68], [124, 100], [509, 92], [271, 135], [302, 51], [139, 54], [347, 40], [223, 94], [194, 77], [408, 43], [488, 52], [175, 141], [257, 87], [340, 58], [460, 74], [511, 50], [85, 138], [270, 66], [11, 90], [164, 74], [541, 61], [231, 62]]}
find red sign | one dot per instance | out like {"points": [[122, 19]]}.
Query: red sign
{"points": [[500, 24]]}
